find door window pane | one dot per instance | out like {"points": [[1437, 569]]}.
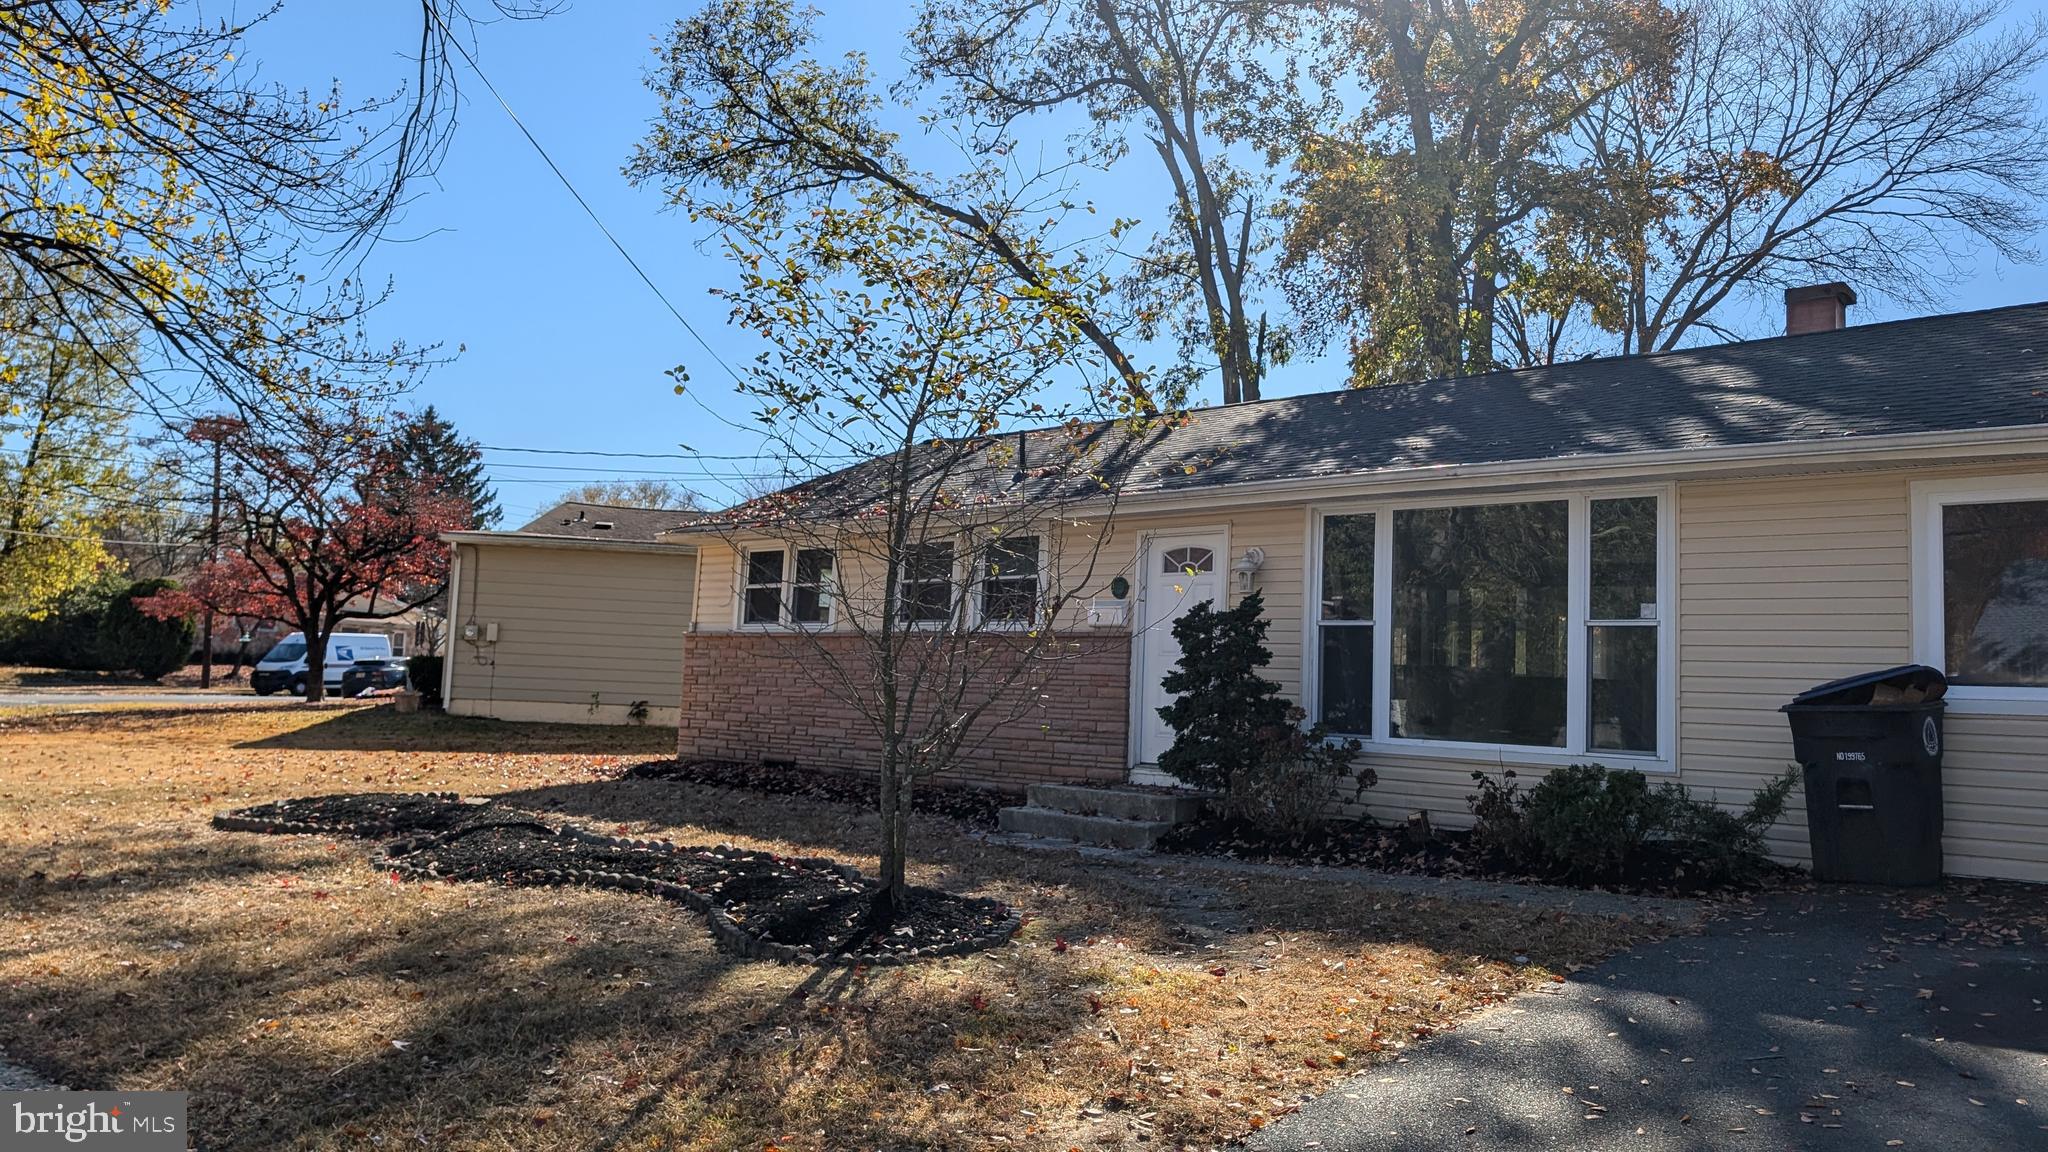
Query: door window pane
{"points": [[812, 596], [1623, 695], [764, 588], [1347, 567], [1624, 546], [1480, 613], [1995, 593], [927, 596]]}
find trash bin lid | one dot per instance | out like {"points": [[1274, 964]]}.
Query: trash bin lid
{"points": [[1858, 689]]}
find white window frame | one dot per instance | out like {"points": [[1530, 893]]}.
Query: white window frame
{"points": [[786, 610], [977, 574], [1929, 498], [1578, 687]]}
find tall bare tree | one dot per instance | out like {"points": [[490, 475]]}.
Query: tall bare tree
{"points": [[1413, 216], [1204, 86], [1869, 141]]}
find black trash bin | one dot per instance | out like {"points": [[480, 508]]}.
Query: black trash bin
{"points": [[1870, 746]]}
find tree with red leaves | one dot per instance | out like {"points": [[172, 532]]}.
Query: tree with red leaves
{"points": [[321, 522]]}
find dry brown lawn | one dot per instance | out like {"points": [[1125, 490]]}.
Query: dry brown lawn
{"points": [[309, 1002]]}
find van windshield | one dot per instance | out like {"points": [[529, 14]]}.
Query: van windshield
{"points": [[286, 652]]}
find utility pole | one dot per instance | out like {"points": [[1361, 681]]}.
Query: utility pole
{"points": [[213, 429], [214, 554]]}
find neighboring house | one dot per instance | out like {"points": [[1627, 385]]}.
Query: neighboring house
{"points": [[578, 616], [1626, 561]]}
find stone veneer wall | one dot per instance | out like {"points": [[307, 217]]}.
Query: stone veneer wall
{"points": [[746, 697]]}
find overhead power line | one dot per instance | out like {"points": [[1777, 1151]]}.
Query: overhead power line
{"points": [[595, 219]]}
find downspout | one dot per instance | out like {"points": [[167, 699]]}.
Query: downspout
{"points": [[449, 625]]}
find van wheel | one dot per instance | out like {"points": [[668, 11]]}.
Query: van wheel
{"points": [[263, 691], [297, 686]]}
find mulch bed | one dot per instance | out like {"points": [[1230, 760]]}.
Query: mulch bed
{"points": [[1446, 852], [792, 909], [974, 807]]}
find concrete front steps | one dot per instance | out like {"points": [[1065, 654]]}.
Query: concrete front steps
{"points": [[1107, 817]]}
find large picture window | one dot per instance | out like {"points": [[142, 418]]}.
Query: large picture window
{"points": [[1480, 618], [1528, 624], [1981, 588]]}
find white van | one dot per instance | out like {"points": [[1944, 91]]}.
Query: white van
{"points": [[284, 666]]}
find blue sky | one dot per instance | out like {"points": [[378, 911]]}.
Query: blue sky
{"points": [[564, 347]]}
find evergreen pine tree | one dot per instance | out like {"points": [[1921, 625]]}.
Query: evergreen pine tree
{"points": [[430, 446]]}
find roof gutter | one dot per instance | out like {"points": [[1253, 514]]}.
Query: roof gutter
{"points": [[535, 540]]}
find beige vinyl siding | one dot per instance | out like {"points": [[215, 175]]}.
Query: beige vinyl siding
{"points": [[1086, 571], [1785, 583], [572, 622]]}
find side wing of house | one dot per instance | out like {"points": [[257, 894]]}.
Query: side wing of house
{"points": [[568, 634]]}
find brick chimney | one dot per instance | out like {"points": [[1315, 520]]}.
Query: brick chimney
{"points": [[1817, 308]]}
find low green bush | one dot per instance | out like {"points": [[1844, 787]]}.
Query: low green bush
{"points": [[132, 640], [1589, 824]]}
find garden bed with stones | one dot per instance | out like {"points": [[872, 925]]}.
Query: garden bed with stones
{"points": [[791, 909], [1437, 853], [975, 807]]}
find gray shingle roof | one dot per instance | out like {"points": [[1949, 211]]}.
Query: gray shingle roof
{"points": [[580, 521], [1951, 373], [1958, 372]]}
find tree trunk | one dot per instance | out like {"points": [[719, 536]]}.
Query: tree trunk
{"points": [[894, 808], [316, 668]]}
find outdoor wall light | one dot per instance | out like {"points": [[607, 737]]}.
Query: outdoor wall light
{"points": [[1247, 565]]}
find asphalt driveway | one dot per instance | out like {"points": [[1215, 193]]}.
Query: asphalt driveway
{"points": [[1837, 1018]]}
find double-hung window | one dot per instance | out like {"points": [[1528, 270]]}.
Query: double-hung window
{"points": [[787, 586], [1009, 581], [1480, 628], [1344, 622], [925, 597], [761, 601], [1622, 621], [1980, 590]]}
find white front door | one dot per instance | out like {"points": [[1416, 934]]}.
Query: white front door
{"points": [[1179, 573]]}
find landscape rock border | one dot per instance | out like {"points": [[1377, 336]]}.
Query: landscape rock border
{"points": [[402, 857]]}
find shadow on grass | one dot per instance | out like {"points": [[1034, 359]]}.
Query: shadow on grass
{"points": [[381, 729], [475, 1018]]}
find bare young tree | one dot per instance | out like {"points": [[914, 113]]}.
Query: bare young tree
{"points": [[1869, 141], [932, 589]]}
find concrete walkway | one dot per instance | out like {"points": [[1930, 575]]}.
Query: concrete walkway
{"points": [[1824, 1019]]}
